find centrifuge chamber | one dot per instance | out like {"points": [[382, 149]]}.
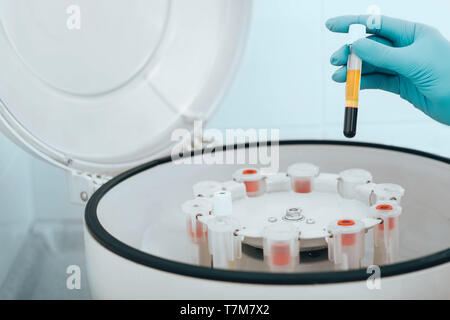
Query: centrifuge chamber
{"points": [[147, 200]]}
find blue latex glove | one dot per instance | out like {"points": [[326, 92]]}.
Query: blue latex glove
{"points": [[406, 58]]}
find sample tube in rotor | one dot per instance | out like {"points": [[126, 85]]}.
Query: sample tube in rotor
{"points": [[224, 244], [193, 209], [350, 181], [223, 241], [302, 177], [371, 193], [281, 247], [388, 192], [346, 246], [386, 234], [354, 66], [222, 204], [253, 180], [197, 246]]}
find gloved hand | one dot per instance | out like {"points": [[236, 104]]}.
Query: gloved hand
{"points": [[406, 58]]}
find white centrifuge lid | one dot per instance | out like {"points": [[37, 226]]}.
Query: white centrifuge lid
{"points": [[108, 95]]}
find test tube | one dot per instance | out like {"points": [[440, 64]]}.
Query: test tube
{"points": [[197, 246], [223, 242], [354, 66], [302, 177], [253, 180], [192, 209], [222, 204], [388, 191], [386, 234], [346, 246], [349, 182], [281, 247]]}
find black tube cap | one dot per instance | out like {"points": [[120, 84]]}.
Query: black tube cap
{"points": [[350, 121]]}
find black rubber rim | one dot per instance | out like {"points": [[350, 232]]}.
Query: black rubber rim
{"points": [[116, 246]]}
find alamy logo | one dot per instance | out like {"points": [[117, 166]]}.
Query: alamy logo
{"points": [[374, 280], [374, 20], [74, 19], [74, 279], [263, 151]]}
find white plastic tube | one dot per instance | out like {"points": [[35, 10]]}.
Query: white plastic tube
{"points": [[386, 234], [281, 247], [303, 176], [224, 244], [350, 179], [346, 247]]}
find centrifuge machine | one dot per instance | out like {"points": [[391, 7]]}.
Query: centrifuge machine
{"points": [[101, 95]]}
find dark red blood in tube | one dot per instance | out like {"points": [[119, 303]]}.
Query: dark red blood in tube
{"points": [[302, 185], [281, 254]]}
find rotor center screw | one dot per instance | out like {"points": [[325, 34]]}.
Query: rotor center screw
{"points": [[294, 214]]}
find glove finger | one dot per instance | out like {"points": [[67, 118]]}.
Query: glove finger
{"points": [[400, 32], [340, 75], [339, 57]]}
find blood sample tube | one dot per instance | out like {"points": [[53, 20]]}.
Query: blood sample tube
{"points": [[302, 177], [354, 66], [349, 181], [346, 245], [253, 180], [386, 234], [192, 209], [197, 246], [281, 247]]}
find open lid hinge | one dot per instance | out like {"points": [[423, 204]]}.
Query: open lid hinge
{"points": [[82, 185]]}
